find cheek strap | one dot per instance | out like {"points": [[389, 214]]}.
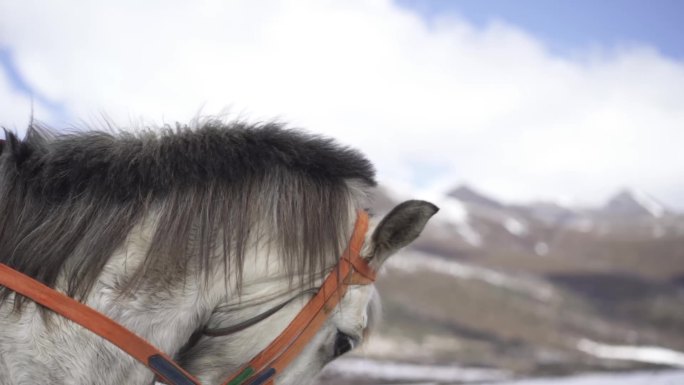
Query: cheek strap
{"points": [[351, 269]]}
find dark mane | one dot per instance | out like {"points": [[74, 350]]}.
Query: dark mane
{"points": [[67, 202]]}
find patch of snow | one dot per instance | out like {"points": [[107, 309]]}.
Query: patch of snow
{"points": [[541, 248], [515, 227], [402, 372], [415, 261], [650, 204], [452, 210], [457, 215], [469, 234], [646, 354]]}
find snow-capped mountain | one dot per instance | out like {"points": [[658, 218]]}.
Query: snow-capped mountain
{"points": [[628, 203]]}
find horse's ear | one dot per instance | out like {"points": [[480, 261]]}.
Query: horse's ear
{"points": [[399, 228]]}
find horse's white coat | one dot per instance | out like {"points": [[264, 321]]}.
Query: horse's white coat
{"points": [[60, 352]]}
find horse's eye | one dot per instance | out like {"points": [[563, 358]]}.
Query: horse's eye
{"points": [[343, 343]]}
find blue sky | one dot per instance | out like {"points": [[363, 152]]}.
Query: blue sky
{"points": [[570, 25]]}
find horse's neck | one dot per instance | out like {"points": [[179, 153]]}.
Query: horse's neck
{"points": [[59, 351], [63, 352]]}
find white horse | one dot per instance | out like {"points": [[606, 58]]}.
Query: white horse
{"points": [[176, 233]]}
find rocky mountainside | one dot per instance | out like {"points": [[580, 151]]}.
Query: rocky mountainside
{"points": [[533, 290]]}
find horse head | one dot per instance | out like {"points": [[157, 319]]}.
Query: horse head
{"points": [[205, 241], [216, 355]]}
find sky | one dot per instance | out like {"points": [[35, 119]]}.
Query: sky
{"points": [[566, 101], [567, 26]]}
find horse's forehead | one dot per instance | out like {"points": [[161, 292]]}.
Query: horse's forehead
{"points": [[354, 307]]}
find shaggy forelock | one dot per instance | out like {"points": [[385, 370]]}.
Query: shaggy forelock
{"points": [[68, 201]]}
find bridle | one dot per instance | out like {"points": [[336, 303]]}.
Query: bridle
{"points": [[352, 269]]}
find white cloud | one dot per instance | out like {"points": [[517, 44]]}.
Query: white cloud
{"points": [[491, 106]]}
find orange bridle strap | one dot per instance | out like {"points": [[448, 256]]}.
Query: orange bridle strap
{"points": [[98, 323], [352, 269]]}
